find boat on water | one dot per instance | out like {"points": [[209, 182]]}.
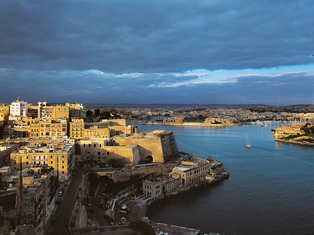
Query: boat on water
{"points": [[247, 143]]}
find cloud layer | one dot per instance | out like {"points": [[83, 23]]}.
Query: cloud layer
{"points": [[156, 51]]}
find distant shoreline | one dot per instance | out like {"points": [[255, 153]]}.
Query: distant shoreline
{"points": [[201, 124], [189, 124]]}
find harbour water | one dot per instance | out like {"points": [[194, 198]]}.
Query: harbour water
{"points": [[270, 189]]}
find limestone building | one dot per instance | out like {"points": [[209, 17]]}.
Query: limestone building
{"points": [[75, 110], [175, 120], [45, 199], [59, 156], [5, 151], [48, 128], [18, 109], [99, 130], [4, 114], [192, 171], [160, 186], [77, 129], [53, 111], [188, 173]]}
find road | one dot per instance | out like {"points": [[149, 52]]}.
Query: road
{"points": [[63, 212]]}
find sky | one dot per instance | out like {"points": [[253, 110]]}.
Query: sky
{"points": [[165, 51]]}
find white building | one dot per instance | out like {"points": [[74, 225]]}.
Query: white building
{"points": [[18, 109]]}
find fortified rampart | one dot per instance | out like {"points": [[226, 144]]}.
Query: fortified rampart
{"points": [[157, 146], [149, 146], [285, 131], [78, 217], [121, 176], [102, 151]]}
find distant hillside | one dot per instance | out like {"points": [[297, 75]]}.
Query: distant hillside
{"points": [[122, 105]]}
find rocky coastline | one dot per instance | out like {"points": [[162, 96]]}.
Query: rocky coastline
{"points": [[294, 142]]}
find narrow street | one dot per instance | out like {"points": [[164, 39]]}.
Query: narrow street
{"points": [[64, 209]]}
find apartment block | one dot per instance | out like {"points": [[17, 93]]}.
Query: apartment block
{"points": [[99, 130], [45, 199], [18, 109], [75, 110], [53, 111], [48, 128], [77, 129], [59, 156], [4, 113]]}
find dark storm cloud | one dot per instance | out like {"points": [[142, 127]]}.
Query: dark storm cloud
{"points": [[155, 36], [95, 86]]}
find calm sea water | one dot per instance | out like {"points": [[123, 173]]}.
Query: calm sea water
{"points": [[270, 189]]}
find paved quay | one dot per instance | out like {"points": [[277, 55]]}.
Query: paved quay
{"points": [[178, 230]]}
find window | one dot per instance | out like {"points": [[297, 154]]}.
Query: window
{"points": [[62, 172], [98, 153], [100, 145], [89, 145], [26, 163], [94, 145], [62, 167]]}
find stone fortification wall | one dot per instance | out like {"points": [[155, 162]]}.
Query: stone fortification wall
{"points": [[285, 131], [78, 217], [148, 146], [295, 134], [129, 153], [97, 150], [169, 146], [121, 176], [161, 148]]}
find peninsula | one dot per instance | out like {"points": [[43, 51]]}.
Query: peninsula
{"points": [[295, 134], [62, 173]]}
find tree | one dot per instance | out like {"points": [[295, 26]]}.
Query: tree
{"points": [[97, 112], [89, 113], [105, 115]]}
